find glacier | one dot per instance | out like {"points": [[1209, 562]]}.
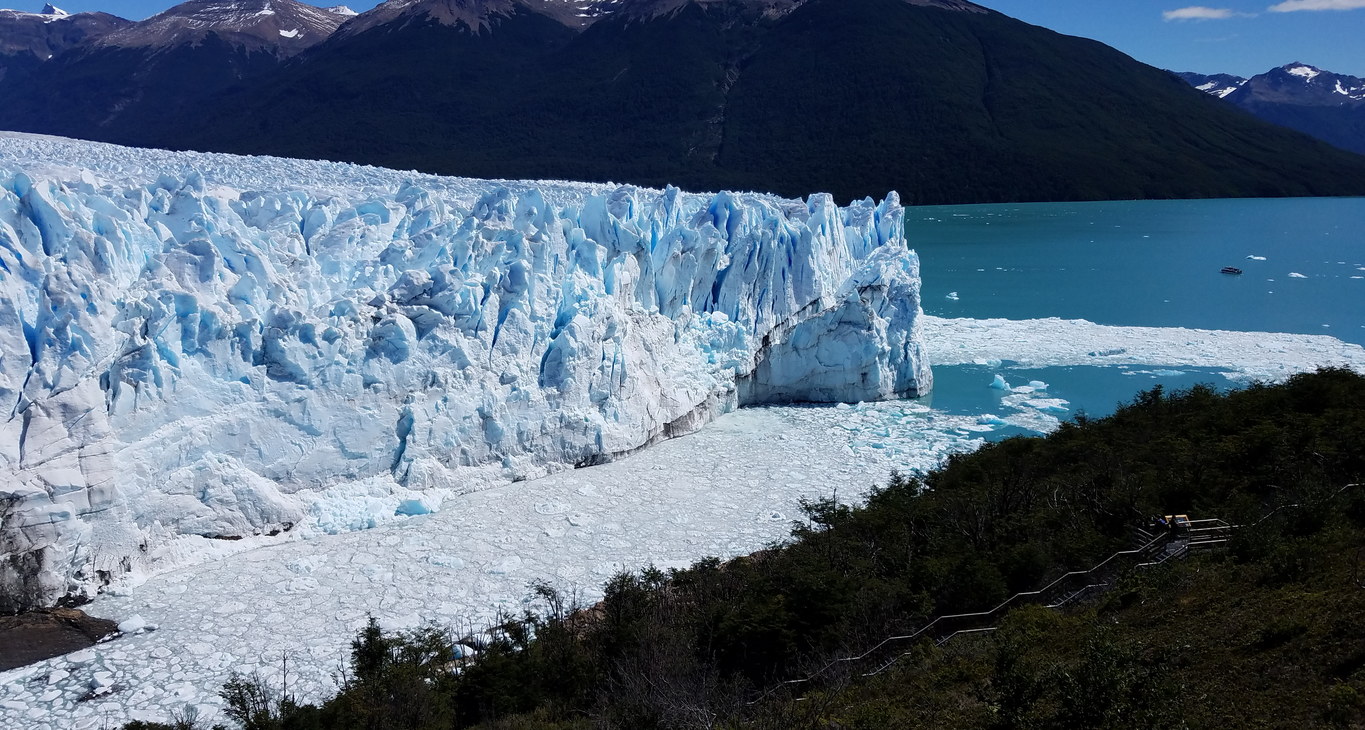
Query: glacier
{"points": [[200, 346]]}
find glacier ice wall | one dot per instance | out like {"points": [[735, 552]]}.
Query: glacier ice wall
{"points": [[209, 345]]}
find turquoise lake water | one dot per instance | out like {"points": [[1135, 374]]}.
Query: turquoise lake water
{"points": [[1153, 263], [1138, 263]]}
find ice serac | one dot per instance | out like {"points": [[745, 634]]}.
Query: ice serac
{"points": [[198, 346]]}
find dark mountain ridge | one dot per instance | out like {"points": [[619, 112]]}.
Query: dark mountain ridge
{"points": [[943, 100]]}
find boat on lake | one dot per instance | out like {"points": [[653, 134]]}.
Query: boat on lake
{"points": [[1231, 270]]}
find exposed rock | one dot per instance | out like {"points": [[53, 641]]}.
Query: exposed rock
{"points": [[46, 633]]}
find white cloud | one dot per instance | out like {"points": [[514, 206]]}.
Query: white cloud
{"points": [[1289, 6], [1199, 12]]}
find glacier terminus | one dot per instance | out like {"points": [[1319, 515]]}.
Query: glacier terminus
{"points": [[199, 346]]}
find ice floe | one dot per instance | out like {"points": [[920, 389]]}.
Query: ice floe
{"points": [[1246, 356]]}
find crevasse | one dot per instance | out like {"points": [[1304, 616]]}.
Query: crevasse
{"points": [[207, 345]]}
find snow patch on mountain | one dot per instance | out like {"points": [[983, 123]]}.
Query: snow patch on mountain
{"points": [[203, 346], [1216, 89]]}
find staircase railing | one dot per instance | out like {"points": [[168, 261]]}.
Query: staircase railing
{"points": [[942, 628]]}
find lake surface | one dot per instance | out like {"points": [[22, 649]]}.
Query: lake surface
{"points": [[1153, 263], [1144, 263]]}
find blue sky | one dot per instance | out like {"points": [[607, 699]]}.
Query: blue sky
{"points": [[1244, 37]]}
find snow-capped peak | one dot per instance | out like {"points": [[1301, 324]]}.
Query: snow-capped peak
{"points": [[342, 10], [48, 14], [1329, 90], [1302, 70]]}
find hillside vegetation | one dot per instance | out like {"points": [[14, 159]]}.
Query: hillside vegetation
{"points": [[1263, 634]]}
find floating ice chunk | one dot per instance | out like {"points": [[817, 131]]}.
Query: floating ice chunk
{"points": [[1048, 405], [552, 508], [406, 622], [1296, 275], [952, 296], [305, 565], [1111, 352], [446, 561], [509, 564], [1037, 385], [990, 419], [134, 624], [1000, 383], [422, 504], [1158, 373], [1256, 258], [369, 503], [82, 657]]}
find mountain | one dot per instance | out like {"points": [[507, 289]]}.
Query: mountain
{"points": [[1325, 105], [28, 39], [277, 27], [943, 100], [145, 78]]}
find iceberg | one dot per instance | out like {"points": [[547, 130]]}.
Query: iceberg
{"points": [[200, 346]]}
